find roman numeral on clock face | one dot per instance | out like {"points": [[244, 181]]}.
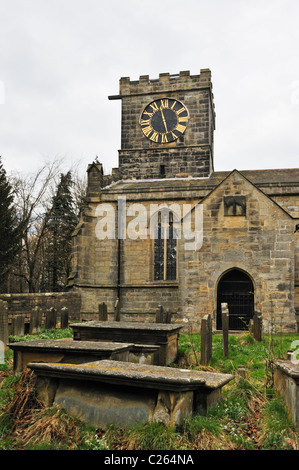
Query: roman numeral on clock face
{"points": [[181, 110], [145, 122], [147, 131], [180, 128], [154, 106], [155, 136]]}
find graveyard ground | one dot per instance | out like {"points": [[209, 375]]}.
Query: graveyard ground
{"points": [[250, 416]]}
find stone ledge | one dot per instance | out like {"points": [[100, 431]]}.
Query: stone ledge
{"points": [[69, 345], [289, 368], [146, 326], [135, 375], [62, 351], [286, 382]]}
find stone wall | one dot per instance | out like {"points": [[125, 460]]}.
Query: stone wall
{"points": [[177, 162], [261, 244], [23, 304], [96, 276]]}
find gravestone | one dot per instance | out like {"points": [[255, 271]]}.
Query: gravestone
{"points": [[163, 316], [117, 311], [51, 319], [224, 314], [35, 321], [159, 314], [257, 326], [206, 340], [18, 325], [103, 315], [167, 317], [241, 372], [64, 318], [3, 325]]}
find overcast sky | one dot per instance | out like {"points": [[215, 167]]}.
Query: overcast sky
{"points": [[61, 59]]}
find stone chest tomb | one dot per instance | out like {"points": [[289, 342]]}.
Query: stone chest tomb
{"points": [[165, 336], [112, 392]]}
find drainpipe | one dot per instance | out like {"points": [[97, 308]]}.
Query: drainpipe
{"points": [[118, 269], [121, 232]]}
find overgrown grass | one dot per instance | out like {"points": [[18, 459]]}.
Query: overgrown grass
{"points": [[44, 334], [243, 350], [246, 418]]}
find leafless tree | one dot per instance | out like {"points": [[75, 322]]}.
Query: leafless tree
{"points": [[32, 201]]}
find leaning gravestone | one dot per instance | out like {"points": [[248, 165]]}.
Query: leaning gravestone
{"points": [[3, 325], [206, 340], [117, 311], [224, 315]]}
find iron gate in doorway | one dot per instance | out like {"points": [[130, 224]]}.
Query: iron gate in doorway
{"points": [[236, 289]]}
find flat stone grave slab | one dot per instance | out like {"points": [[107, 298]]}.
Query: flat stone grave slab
{"points": [[286, 382], [75, 352], [122, 393], [163, 334]]}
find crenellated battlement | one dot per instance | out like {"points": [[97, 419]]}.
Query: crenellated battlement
{"points": [[191, 153], [165, 83]]}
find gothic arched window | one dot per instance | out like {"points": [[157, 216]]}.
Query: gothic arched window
{"points": [[165, 248]]}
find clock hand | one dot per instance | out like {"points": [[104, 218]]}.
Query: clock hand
{"points": [[164, 120]]}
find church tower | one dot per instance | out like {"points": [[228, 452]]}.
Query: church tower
{"points": [[167, 126]]}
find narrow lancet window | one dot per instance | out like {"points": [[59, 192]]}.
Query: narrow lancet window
{"points": [[165, 247]]}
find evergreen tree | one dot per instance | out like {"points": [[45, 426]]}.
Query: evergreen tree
{"points": [[62, 221], [9, 229]]}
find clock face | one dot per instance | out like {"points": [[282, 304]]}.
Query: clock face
{"points": [[164, 120]]}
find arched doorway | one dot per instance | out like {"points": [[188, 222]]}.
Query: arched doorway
{"points": [[236, 289]]}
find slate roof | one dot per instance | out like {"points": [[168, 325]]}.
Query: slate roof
{"points": [[260, 178]]}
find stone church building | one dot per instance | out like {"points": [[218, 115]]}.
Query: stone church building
{"points": [[166, 229]]}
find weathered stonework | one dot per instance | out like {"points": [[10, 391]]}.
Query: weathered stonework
{"points": [[66, 351], [286, 382], [192, 155], [165, 336], [24, 304], [260, 244], [256, 235], [111, 392]]}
